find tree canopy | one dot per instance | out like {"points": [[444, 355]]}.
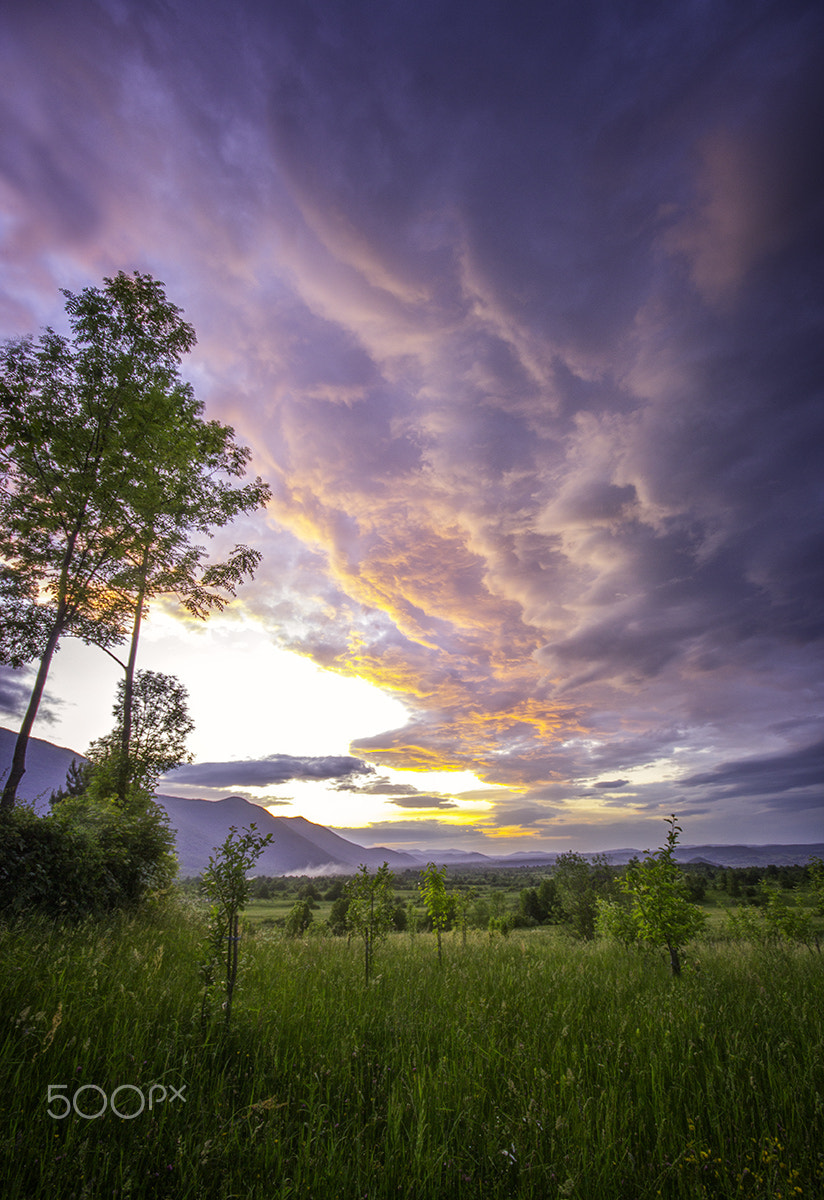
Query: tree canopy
{"points": [[160, 726]]}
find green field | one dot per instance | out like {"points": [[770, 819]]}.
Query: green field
{"points": [[527, 1066]]}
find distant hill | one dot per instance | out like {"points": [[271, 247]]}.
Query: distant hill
{"points": [[46, 767], [298, 846], [301, 847]]}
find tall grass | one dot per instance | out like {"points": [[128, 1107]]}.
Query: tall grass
{"points": [[522, 1067]]}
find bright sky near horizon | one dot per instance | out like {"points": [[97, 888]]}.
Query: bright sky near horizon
{"points": [[519, 309]]}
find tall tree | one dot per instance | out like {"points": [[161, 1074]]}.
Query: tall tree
{"points": [[186, 492], [105, 469], [71, 409]]}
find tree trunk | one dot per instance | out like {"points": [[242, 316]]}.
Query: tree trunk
{"points": [[18, 762], [128, 689], [231, 965], [675, 961]]}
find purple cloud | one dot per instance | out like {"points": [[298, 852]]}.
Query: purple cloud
{"points": [[520, 312], [274, 769]]}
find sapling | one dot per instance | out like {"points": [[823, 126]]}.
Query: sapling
{"points": [[298, 919], [225, 884], [411, 919], [815, 873], [660, 908], [463, 903], [437, 900], [371, 909]]}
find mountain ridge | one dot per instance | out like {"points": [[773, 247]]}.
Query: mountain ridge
{"points": [[301, 847]]}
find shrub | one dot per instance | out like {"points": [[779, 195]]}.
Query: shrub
{"points": [[337, 916], [579, 884], [299, 918], [88, 856]]}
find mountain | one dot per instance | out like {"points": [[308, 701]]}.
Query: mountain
{"points": [[46, 767], [298, 846], [301, 847], [452, 857], [751, 856]]}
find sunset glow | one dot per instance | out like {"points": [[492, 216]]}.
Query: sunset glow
{"points": [[519, 314]]}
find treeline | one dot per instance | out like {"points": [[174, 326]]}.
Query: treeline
{"points": [[651, 901], [536, 890]]}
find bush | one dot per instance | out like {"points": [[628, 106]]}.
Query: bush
{"points": [[579, 884], [615, 920], [337, 916], [298, 919], [775, 920], [87, 856]]}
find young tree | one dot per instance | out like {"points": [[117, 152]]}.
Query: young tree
{"points": [[579, 884], [298, 919], [225, 884], [76, 782], [436, 899], [371, 909], [463, 902], [73, 418], [815, 873], [160, 725], [660, 907]]}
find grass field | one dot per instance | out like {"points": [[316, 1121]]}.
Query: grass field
{"points": [[528, 1066]]}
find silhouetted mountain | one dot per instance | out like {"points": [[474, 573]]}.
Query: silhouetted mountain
{"points": [[753, 856], [46, 768], [298, 846], [301, 847]]}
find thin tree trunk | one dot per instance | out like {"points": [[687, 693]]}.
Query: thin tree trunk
{"points": [[18, 762], [231, 965], [128, 689]]}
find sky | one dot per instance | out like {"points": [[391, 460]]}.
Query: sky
{"points": [[519, 308]]}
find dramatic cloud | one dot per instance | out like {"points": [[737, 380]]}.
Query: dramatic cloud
{"points": [[278, 768], [15, 690], [800, 771], [520, 310]]}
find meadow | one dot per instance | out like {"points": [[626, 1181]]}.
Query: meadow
{"points": [[524, 1066]]}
